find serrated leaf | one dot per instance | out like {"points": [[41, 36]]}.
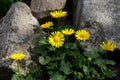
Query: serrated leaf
{"points": [[104, 70], [71, 45], [110, 62], [85, 69], [74, 54], [15, 70], [79, 75], [99, 62], [44, 60], [111, 74], [65, 67], [79, 63], [52, 65], [50, 48], [94, 71], [93, 54], [61, 57], [57, 76], [29, 77], [43, 40], [17, 77]]}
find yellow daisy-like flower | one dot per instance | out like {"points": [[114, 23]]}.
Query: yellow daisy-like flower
{"points": [[68, 31], [58, 14], [56, 39], [17, 56], [47, 25], [108, 46], [82, 35]]}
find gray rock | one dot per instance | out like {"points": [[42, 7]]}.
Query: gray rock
{"points": [[105, 12], [96, 35], [41, 8], [17, 33]]}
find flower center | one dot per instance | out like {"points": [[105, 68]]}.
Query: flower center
{"points": [[82, 35], [107, 46], [56, 39]]}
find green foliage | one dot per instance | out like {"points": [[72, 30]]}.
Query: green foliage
{"points": [[58, 76], [18, 77], [71, 61], [44, 60]]}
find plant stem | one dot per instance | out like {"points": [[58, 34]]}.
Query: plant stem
{"points": [[18, 67]]}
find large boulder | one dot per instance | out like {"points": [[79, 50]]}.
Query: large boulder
{"points": [[105, 12], [18, 33], [41, 8]]}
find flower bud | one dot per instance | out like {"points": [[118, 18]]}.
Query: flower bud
{"points": [[89, 59]]}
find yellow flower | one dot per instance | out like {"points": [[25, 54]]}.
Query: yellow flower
{"points": [[82, 35], [17, 56], [56, 39], [108, 46], [58, 14], [68, 31], [47, 25]]}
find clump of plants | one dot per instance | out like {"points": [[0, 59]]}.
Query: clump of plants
{"points": [[61, 56]]}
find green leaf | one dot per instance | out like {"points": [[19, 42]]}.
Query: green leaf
{"points": [[79, 62], [52, 65], [94, 72], [78, 75], [60, 57], [102, 51], [51, 48], [17, 77], [43, 40], [100, 62], [65, 67], [15, 70], [74, 54], [111, 74], [51, 72], [104, 70], [81, 46], [58, 76], [41, 50], [44, 60], [93, 54], [29, 77], [71, 45], [85, 69], [108, 72], [110, 62]]}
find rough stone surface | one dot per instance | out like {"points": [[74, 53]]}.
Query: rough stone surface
{"points": [[96, 35], [106, 12], [17, 33], [41, 8]]}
